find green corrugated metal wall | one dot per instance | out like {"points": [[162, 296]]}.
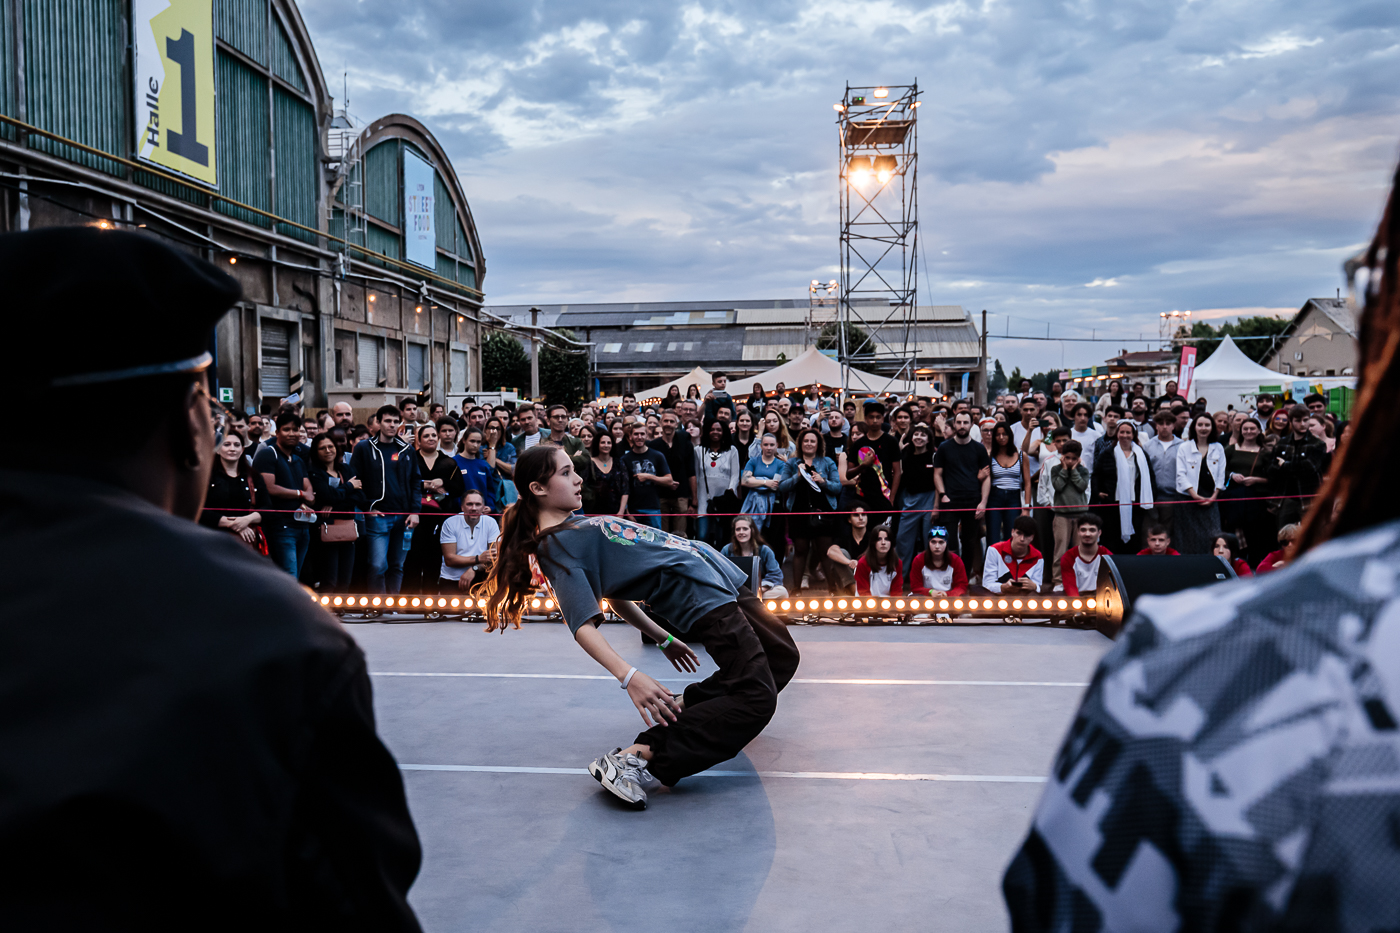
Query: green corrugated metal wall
{"points": [[446, 267], [444, 214], [284, 60], [8, 104], [381, 166], [466, 275], [243, 25], [74, 62], [244, 172], [295, 132], [383, 241]]}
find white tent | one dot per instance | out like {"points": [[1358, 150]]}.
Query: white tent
{"points": [[812, 367], [1229, 379]]}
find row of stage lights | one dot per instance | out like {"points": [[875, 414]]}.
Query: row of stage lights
{"points": [[857, 604], [932, 605]]}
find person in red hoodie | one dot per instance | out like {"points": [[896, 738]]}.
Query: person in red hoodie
{"points": [[1277, 560], [1015, 566], [1227, 547], [936, 572], [1159, 543], [1079, 568], [878, 572]]}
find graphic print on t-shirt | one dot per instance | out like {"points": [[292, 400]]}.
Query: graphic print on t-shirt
{"points": [[621, 531]]}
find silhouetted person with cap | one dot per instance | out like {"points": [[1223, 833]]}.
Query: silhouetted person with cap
{"points": [[187, 740]]}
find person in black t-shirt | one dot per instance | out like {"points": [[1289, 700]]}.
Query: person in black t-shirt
{"points": [[288, 485], [850, 543], [918, 496], [650, 476], [963, 490], [877, 476]]}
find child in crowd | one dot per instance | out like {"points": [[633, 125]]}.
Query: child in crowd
{"points": [[878, 573], [1277, 560], [1014, 565], [1070, 479], [1159, 543], [1227, 547], [1079, 568], [936, 572], [1049, 453]]}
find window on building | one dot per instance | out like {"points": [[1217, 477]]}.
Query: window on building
{"points": [[611, 348], [274, 376], [458, 380], [417, 366], [370, 358]]}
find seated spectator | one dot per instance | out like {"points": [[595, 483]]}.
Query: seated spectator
{"points": [[845, 551], [1227, 547], [1277, 560], [235, 494], [878, 572], [1014, 565], [468, 542], [747, 551], [1079, 568], [936, 572], [1159, 543]]}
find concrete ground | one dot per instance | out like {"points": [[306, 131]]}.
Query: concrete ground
{"points": [[884, 806]]}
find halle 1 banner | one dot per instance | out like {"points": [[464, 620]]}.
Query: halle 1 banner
{"points": [[420, 239], [173, 86], [1185, 372]]}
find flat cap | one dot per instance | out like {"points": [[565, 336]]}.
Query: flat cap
{"points": [[90, 306]]}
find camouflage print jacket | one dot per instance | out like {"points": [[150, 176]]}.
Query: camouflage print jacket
{"points": [[1235, 764]]}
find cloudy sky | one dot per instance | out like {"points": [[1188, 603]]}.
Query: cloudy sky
{"points": [[1084, 164]]}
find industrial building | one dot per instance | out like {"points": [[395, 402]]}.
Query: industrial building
{"points": [[635, 346], [209, 123]]}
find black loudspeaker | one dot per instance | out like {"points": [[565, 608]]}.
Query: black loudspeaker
{"points": [[1122, 580]]}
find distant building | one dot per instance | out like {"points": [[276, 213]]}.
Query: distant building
{"points": [[1153, 368], [640, 345], [1320, 341]]}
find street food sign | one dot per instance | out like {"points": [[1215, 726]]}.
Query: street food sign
{"points": [[174, 86]]}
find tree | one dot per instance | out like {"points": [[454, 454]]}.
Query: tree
{"points": [[504, 363], [1258, 326], [1014, 380], [857, 340], [997, 381], [563, 372]]}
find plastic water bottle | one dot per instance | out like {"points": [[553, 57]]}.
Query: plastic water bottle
{"points": [[407, 538]]}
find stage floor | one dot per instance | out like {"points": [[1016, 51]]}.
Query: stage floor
{"points": [[885, 806]]}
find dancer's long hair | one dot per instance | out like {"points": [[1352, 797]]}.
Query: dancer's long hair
{"points": [[1358, 494], [511, 581]]}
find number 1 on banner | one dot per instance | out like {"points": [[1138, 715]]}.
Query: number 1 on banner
{"points": [[173, 86]]}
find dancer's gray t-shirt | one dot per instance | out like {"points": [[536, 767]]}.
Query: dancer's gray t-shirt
{"points": [[611, 558]]}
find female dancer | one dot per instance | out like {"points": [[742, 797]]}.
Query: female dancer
{"points": [[701, 594]]}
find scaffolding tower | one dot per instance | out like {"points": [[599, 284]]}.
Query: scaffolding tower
{"points": [[878, 136]]}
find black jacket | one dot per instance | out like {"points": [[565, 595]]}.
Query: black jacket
{"points": [[187, 740], [389, 475], [1305, 462]]}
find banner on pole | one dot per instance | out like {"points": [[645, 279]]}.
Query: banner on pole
{"points": [[173, 86], [420, 239], [1185, 372]]}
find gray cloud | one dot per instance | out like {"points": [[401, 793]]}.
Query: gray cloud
{"points": [[1196, 155]]}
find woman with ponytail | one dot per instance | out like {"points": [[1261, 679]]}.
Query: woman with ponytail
{"points": [[702, 595], [1235, 764]]}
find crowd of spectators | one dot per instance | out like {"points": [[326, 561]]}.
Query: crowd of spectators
{"points": [[804, 491]]}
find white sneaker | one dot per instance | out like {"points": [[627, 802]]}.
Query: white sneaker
{"points": [[626, 776]]}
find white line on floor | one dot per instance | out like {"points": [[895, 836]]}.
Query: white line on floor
{"points": [[806, 775], [858, 682]]}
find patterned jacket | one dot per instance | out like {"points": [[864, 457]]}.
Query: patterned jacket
{"points": [[1235, 764]]}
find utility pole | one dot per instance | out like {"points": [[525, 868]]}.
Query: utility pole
{"points": [[535, 353], [982, 377]]}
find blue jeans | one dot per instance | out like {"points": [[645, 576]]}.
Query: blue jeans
{"points": [[912, 536], [650, 517], [1003, 508], [384, 538], [287, 545]]}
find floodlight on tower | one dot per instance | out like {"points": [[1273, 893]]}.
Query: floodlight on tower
{"points": [[882, 92], [859, 169], [885, 167]]}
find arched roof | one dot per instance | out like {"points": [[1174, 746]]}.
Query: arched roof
{"points": [[402, 126], [306, 55]]}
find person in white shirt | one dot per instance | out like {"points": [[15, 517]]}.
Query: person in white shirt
{"points": [[1085, 432], [1161, 453], [1200, 475], [1028, 425], [468, 545], [1079, 567]]}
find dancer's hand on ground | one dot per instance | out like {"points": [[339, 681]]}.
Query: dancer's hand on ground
{"points": [[681, 657], [652, 700]]}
